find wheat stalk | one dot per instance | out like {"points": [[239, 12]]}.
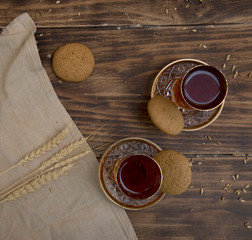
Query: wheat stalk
{"points": [[54, 159], [37, 182], [55, 166], [41, 150]]}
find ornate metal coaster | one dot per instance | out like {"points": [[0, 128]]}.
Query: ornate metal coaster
{"points": [[118, 150]]}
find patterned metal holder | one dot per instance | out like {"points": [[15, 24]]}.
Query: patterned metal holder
{"points": [[167, 84], [116, 151]]}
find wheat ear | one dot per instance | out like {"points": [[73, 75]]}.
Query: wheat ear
{"points": [[37, 182], [55, 166], [41, 150], [55, 158]]}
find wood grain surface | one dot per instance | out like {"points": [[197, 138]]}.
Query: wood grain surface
{"points": [[132, 41]]}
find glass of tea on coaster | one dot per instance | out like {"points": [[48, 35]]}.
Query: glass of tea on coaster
{"points": [[198, 89], [128, 174]]}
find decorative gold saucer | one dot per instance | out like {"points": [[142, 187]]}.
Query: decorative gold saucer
{"points": [[118, 150], [166, 84]]}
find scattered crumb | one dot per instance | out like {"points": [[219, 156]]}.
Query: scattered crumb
{"points": [[201, 191], [199, 163], [78, 14], [26, 199], [228, 57], [219, 143], [166, 11], [240, 199], [57, 2], [235, 74], [60, 81], [237, 192], [51, 189], [222, 198], [224, 65], [41, 34], [49, 10], [25, 165], [191, 210], [49, 55], [208, 137], [194, 30], [191, 162]]}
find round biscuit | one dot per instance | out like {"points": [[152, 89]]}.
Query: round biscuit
{"points": [[176, 171], [73, 62], [165, 115]]}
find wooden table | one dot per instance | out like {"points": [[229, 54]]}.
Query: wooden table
{"points": [[132, 41]]}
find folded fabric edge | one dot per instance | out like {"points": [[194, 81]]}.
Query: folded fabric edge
{"points": [[24, 18]]}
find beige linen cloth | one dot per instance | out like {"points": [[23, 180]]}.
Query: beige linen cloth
{"points": [[30, 115]]}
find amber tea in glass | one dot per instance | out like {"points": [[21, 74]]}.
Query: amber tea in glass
{"points": [[204, 87], [138, 176]]}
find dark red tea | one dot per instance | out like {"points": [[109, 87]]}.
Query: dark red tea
{"points": [[204, 87], [139, 176]]}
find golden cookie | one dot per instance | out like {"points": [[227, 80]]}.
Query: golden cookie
{"points": [[176, 171], [165, 115], [73, 62]]}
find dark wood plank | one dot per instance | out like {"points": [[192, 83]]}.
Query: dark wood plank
{"points": [[127, 12], [194, 216], [127, 60], [132, 41]]}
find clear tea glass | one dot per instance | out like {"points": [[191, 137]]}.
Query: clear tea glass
{"points": [[138, 176], [203, 88]]}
